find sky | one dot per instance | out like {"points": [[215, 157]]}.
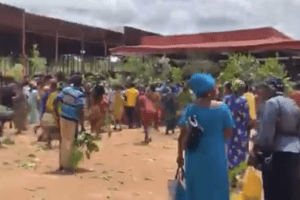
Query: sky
{"points": [[171, 17]]}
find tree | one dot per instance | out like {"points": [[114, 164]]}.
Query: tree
{"points": [[176, 74], [36, 63], [240, 66], [272, 67]]}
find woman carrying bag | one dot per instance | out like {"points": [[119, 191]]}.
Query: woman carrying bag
{"points": [[205, 125]]}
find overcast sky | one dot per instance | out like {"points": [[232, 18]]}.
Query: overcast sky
{"points": [[173, 16]]}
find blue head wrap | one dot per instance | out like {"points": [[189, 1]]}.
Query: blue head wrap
{"points": [[201, 83]]}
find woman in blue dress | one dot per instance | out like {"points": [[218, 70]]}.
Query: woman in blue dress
{"points": [[237, 144], [206, 167]]}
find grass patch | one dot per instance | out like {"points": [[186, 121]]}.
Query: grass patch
{"points": [[8, 141], [233, 173]]}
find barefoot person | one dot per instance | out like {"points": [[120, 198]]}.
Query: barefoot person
{"points": [[205, 165], [148, 113], [71, 99]]}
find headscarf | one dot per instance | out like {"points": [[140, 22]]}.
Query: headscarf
{"points": [[200, 83], [275, 84], [237, 84]]}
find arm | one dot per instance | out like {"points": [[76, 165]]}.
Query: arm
{"points": [[227, 133], [180, 160], [266, 133]]}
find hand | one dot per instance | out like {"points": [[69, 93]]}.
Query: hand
{"points": [[180, 161]]}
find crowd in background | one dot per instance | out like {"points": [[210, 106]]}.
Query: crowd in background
{"points": [[228, 114]]}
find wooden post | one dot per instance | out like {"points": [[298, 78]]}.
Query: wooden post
{"points": [[82, 55], [56, 49], [25, 71]]}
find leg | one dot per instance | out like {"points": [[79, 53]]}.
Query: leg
{"points": [[68, 130]]}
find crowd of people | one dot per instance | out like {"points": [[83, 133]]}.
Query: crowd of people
{"points": [[226, 120]]}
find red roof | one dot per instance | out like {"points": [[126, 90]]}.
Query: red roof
{"points": [[241, 40]]}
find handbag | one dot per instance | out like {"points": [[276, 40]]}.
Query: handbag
{"points": [[176, 187], [195, 133]]}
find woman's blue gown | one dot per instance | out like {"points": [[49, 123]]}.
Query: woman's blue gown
{"points": [[206, 168]]}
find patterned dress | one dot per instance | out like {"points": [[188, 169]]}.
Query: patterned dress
{"points": [[237, 145]]}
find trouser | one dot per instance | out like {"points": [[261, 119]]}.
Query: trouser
{"points": [[67, 130], [130, 115], [281, 179]]}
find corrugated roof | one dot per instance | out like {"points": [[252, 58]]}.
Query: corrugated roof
{"points": [[240, 40], [231, 46]]}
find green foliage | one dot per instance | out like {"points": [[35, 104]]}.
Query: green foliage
{"points": [[83, 145], [202, 66], [240, 66], [233, 173], [177, 74], [16, 72], [272, 67], [146, 71], [248, 69], [36, 63]]}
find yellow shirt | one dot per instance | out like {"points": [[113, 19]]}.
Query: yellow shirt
{"points": [[50, 100], [131, 95], [251, 103]]}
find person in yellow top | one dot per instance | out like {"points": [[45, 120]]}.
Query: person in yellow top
{"points": [[251, 103], [118, 107], [130, 96]]}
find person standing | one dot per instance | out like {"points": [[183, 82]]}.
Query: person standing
{"points": [[71, 100], [238, 142], [118, 107], [205, 166], [20, 108], [131, 96], [184, 97], [33, 103], [156, 99], [278, 142]]}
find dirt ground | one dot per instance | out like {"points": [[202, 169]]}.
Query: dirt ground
{"points": [[122, 170]]}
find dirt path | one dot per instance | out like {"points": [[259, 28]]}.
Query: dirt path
{"points": [[122, 170]]}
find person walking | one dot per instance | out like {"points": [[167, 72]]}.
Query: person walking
{"points": [[147, 110], [156, 99], [205, 165], [277, 144], [33, 103], [71, 100], [169, 104], [99, 110], [118, 107], [130, 96], [238, 143]]}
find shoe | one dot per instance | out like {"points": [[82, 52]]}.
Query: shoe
{"points": [[115, 128]]}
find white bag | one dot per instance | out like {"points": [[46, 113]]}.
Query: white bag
{"points": [[176, 187]]}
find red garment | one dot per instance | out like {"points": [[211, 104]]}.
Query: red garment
{"points": [[147, 109], [295, 95], [98, 114]]}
